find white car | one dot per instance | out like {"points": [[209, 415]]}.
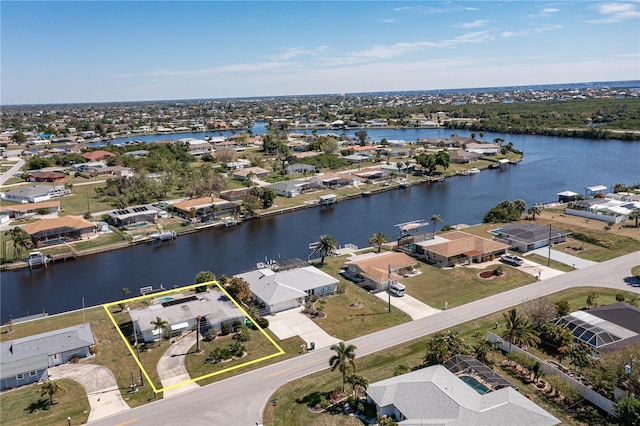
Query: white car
{"points": [[397, 290], [512, 259]]}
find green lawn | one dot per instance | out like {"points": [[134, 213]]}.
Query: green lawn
{"points": [[460, 285], [25, 406]]}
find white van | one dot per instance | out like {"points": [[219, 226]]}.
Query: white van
{"points": [[397, 290]]}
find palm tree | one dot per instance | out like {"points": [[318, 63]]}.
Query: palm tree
{"points": [[520, 205], [434, 219], [533, 211], [519, 330], [343, 359], [635, 215], [160, 324], [51, 387], [378, 239], [21, 241], [357, 382], [327, 246], [198, 318]]}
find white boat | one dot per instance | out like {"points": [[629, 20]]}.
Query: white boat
{"points": [[474, 171], [163, 236], [36, 258]]}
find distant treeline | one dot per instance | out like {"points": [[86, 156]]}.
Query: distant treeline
{"points": [[584, 118]]}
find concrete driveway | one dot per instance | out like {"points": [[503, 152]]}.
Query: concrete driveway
{"points": [[99, 383], [565, 258], [409, 305], [293, 322], [171, 369]]}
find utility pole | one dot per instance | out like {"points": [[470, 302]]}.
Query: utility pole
{"points": [[629, 370], [389, 285], [549, 258]]}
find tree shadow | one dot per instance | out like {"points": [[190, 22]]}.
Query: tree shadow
{"points": [[310, 398], [41, 404]]}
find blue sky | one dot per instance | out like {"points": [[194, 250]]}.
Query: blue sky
{"points": [[89, 51]]}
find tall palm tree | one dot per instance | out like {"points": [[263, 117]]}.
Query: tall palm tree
{"points": [[198, 318], [519, 330], [21, 241], [160, 324], [343, 359], [520, 205], [533, 211], [378, 239], [635, 215], [51, 387], [327, 246], [435, 219]]}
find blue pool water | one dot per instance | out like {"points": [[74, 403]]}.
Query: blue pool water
{"points": [[475, 385], [164, 299]]}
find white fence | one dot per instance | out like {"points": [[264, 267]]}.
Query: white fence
{"points": [[586, 392]]}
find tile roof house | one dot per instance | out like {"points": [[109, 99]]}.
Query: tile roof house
{"points": [[181, 313], [280, 290], [26, 360], [39, 176], [256, 172], [453, 247], [434, 395], [20, 210], [97, 155], [47, 232], [378, 271], [525, 237]]}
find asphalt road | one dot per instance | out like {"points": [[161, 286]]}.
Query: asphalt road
{"points": [[240, 400]]}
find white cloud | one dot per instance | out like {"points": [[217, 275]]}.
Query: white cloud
{"points": [[293, 52], [391, 51], [389, 21], [474, 24], [544, 12], [198, 72], [476, 37], [615, 12]]}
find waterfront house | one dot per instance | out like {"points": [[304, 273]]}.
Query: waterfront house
{"points": [[525, 237], [25, 360], [373, 174], [234, 194], [181, 313], [204, 208], [378, 271], [133, 216], [460, 156], [29, 209], [435, 395], [334, 180], [141, 153], [483, 148], [35, 193], [603, 209], [280, 288], [456, 247], [291, 188], [254, 172], [46, 232]]}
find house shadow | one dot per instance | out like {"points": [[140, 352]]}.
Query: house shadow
{"points": [[41, 404]]}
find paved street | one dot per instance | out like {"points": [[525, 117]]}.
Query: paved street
{"points": [[240, 400], [12, 170]]}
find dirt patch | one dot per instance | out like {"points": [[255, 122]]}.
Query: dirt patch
{"points": [[486, 275], [357, 305]]}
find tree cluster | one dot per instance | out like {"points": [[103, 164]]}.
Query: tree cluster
{"points": [[505, 211]]}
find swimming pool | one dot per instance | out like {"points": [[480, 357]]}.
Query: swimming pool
{"points": [[475, 385], [164, 299]]}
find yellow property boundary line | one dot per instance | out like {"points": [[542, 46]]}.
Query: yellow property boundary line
{"points": [[106, 307]]}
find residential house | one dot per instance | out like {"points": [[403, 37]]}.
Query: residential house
{"points": [[603, 209], [87, 167], [300, 168], [291, 188], [46, 232], [35, 193], [136, 215], [181, 313], [525, 237], [373, 174], [357, 158], [483, 148], [250, 173], [435, 395], [606, 327], [456, 247], [39, 176], [97, 155], [334, 180], [29, 209], [281, 288], [378, 271], [205, 208], [120, 171], [25, 360], [198, 147], [141, 153], [234, 194], [460, 156]]}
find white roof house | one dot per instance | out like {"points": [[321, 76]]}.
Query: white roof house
{"points": [[282, 290], [434, 395]]}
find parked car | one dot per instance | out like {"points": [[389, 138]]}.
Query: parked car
{"points": [[512, 259], [397, 290]]}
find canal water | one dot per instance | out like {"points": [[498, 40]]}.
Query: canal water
{"points": [[550, 165]]}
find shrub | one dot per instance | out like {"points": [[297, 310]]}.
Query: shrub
{"points": [[211, 334], [263, 322], [226, 328], [243, 334], [620, 297]]}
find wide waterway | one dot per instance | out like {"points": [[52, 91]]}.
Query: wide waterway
{"points": [[550, 165]]}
